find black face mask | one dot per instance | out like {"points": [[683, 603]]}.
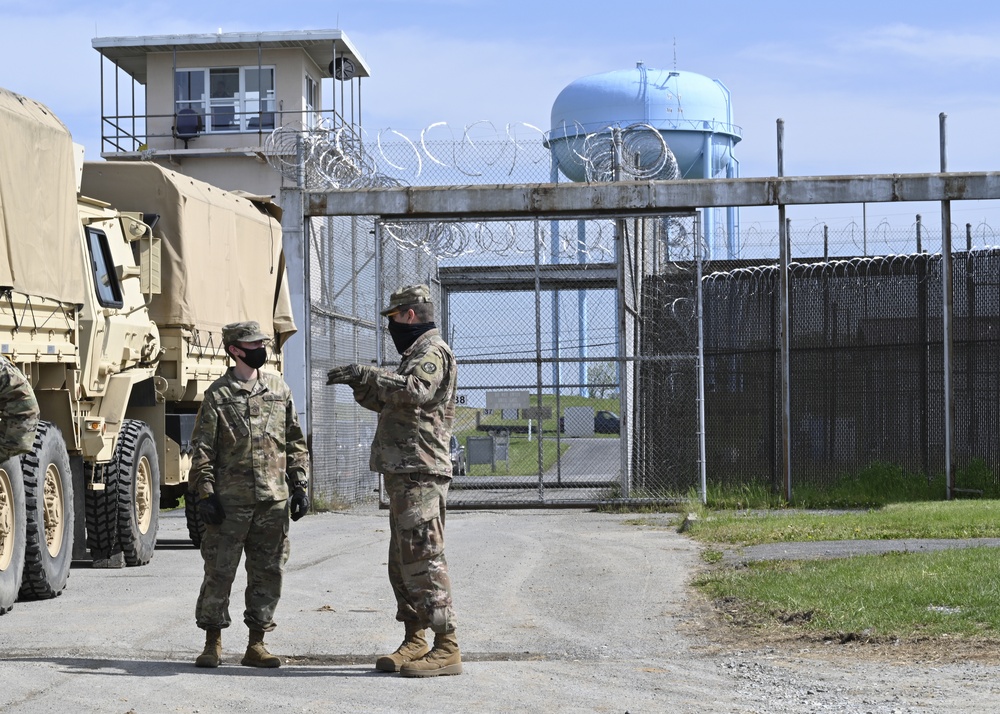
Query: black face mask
{"points": [[255, 358], [403, 335]]}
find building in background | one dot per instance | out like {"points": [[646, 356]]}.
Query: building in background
{"points": [[208, 106]]}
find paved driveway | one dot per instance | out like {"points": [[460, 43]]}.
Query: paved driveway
{"points": [[565, 611]]}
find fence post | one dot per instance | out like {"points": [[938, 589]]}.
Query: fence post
{"points": [[947, 312], [538, 352], [702, 425], [786, 439]]}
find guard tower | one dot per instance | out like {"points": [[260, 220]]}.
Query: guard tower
{"points": [[206, 105]]}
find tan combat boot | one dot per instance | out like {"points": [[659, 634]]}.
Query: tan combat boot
{"points": [[414, 647], [212, 654], [444, 658], [257, 654]]}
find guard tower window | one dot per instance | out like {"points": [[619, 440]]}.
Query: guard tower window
{"points": [[232, 99], [189, 91], [312, 101], [109, 290]]}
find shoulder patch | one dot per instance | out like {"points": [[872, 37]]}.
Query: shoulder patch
{"points": [[429, 367]]}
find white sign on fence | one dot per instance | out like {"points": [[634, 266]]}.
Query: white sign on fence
{"points": [[507, 400]]}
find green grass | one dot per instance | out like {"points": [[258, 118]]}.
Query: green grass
{"points": [[898, 595], [886, 596], [952, 519], [873, 486], [523, 457]]}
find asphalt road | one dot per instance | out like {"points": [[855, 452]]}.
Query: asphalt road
{"points": [[559, 611]]}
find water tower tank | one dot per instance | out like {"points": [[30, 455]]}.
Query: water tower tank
{"points": [[691, 112]]}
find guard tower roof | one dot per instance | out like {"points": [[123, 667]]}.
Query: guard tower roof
{"points": [[129, 53]]}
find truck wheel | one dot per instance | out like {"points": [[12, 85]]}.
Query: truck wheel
{"points": [[49, 515], [12, 532], [196, 527], [137, 489], [102, 514]]}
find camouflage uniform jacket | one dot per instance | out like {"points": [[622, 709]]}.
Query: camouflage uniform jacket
{"points": [[246, 437], [416, 406], [18, 411]]}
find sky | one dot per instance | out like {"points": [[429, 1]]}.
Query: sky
{"points": [[859, 85]]}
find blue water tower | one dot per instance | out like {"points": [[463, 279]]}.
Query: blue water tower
{"points": [[692, 113], [694, 116]]}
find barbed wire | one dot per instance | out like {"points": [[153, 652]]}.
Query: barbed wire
{"points": [[453, 240], [324, 157], [875, 272]]}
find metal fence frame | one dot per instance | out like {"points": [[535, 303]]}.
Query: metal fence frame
{"points": [[548, 202]]}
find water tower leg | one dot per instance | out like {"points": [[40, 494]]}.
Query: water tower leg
{"points": [[708, 214]]}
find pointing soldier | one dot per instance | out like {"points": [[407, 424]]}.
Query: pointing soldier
{"points": [[416, 407], [248, 446]]}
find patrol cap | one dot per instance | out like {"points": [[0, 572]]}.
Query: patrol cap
{"points": [[248, 331], [409, 295]]}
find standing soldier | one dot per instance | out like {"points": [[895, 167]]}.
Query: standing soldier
{"points": [[247, 441], [416, 407], [18, 411], [18, 421]]}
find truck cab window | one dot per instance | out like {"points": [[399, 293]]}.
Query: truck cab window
{"points": [[109, 291]]}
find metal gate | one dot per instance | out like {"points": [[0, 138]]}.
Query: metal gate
{"points": [[546, 322]]}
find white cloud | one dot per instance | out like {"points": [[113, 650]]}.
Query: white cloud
{"points": [[931, 45]]}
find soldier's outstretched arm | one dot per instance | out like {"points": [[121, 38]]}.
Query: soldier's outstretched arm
{"points": [[420, 384], [367, 395]]}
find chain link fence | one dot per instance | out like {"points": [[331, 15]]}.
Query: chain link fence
{"points": [[866, 368], [347, 270], [585, 375]]}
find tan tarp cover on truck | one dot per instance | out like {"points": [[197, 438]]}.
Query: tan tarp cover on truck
{"points": [[41, 253], [222, 256]]}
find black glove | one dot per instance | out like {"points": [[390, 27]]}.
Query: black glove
{"points": [[211, 511], [347, 374], [299, 504]]}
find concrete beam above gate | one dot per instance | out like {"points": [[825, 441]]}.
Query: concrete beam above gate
{"points": [[519, 201], [478, 278]]}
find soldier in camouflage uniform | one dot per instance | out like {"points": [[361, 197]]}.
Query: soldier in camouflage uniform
{"points": [[18, 412], [416, 407], [247, 446]]}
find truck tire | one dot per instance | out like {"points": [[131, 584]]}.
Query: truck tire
{"points": [[137, 491], [49, 515], [12, 532], [102, 514], [196, 526]]}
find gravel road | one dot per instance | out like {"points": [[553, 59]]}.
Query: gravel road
{"points": [[560, 611]]}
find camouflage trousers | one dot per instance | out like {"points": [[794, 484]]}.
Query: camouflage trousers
{"points": [[418, 571], [260, 531]]}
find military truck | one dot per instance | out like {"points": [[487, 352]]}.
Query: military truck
{"points": [[116, 280]]}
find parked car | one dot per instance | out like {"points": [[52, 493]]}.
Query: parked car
{"points": [[457, 457], [606, 422]]}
